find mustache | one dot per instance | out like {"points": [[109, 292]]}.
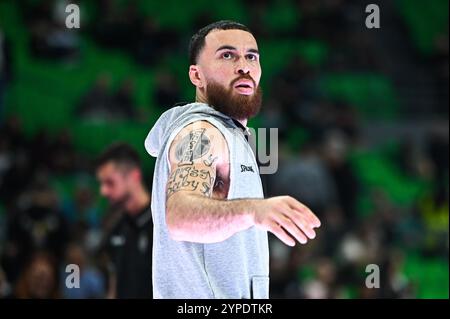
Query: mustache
{"points": [[243, 77]]}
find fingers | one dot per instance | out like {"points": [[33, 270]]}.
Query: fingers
{"points": [[289, 226], [290, 217], [281, 234], [296, 205], [302, 222]]}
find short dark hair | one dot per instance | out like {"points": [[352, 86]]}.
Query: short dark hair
{"points": [[119, 153], [198, 40]]}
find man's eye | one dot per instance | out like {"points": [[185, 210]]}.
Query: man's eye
{"points": [[227, 56], [252, 57]]}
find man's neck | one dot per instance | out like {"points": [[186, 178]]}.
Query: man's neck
{"points": [[139, 200], [201, 99]]}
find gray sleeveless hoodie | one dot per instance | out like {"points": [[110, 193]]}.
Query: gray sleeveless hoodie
{"points": [[235, 268]]}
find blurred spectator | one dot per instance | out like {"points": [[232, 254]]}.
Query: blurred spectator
{"points": [[16, 178], [83, 213], [167, 91], [5, 287], [346, 121], [433, 208], [129, 229], [96, 104], [123, 101], [257, 24], [310, 25], [40, 149], [314, 185], [155, 42], [121, 26], [50, 38], [323, 285], [5, 70], [409, 157], [272, 116], [39, 279], [336, 229], [117, 25], [82, 207], [441, 66], [36, 225], [335, 154], [62, 155], [13, 132], [150, 44], [295, 87], [6, 158], [437, 149], [91, 283], [398, 285]]}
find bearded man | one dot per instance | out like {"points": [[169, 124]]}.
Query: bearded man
{"points": [[210, 216]]}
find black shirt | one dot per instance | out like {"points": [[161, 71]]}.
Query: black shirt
{"points": [[129, 246]]}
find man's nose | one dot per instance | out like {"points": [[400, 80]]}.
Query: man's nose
{"points": [[242, 67]]}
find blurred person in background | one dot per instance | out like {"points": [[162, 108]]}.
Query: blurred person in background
{"points": [[167, 91], [5, 287], [13, 131], [123, 101], [36, 224], [5, 69], [6, 160], [83, 212], [335, 149], [323, 286], [118, 25], [92, 283], [96, 103], [39, 279], [50, 38], [153, 42], [129, 228], [62, 155]]}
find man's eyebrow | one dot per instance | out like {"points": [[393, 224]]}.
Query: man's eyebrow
{"points": [[226, 47], [229, 47]]}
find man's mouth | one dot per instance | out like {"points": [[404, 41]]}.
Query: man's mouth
{"points": [[244, 87]]}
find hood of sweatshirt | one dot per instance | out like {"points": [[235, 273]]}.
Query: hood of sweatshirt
{"points": [[170, 119]]}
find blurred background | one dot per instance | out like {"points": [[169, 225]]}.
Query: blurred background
{"points": [[362, 116]]}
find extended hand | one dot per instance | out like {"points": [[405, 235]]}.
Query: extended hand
{"points": [[284, 216]]}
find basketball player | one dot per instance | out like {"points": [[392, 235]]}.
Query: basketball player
{"points": [[210, 215]]}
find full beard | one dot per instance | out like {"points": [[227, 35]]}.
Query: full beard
{"points": [[237, 106]]}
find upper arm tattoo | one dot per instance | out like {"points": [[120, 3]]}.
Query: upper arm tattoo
{"points": [[190, 178], [192, 146], [193, 172]]}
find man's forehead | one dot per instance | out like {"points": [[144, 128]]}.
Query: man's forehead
{"points": [[236, 38]]}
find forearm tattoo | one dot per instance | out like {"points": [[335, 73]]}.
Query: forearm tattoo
{"points": [[193, 176]]}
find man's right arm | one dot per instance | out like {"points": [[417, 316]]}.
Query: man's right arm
{"points": [[193, 215]]}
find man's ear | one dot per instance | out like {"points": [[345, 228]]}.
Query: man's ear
{"points": [[195, 76], [135, 174], [138, 174]]}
